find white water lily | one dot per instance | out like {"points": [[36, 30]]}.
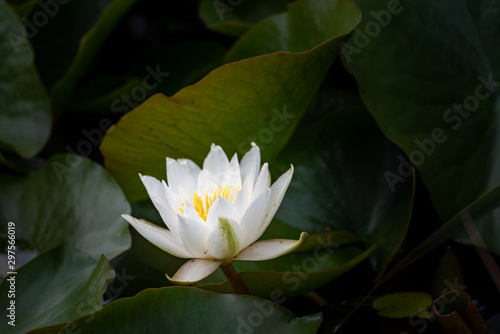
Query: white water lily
{"points": [[215, 215]]}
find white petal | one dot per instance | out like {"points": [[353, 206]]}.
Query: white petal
{"points": [[154, 188], [170, 219], [206, 181], [278, 191], [216, 163], [172, 197], [250, 166], [270, 249], [194, 270], [233, 175], [184, 196], [194, 234], [179, 176], [240, 203], [158, 236], [254, 217], [263, 181], [191, 167], [221, 207], [160, 199], [225, 240]]}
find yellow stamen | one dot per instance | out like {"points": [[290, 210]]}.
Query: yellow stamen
{"points": [[203, 205]]}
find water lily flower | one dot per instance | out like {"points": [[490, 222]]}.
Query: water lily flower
{"points": [[215, 215]]}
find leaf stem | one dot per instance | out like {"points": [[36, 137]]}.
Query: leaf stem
{"points": [[234, 279]]}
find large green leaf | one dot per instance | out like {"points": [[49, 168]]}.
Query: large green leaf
{"points": [[58, 286], [25, 116], [235, 17], [191, 310], [430, 78], [71, 200], [340, 183], [260, 99], [306, 24], [63, 54]]}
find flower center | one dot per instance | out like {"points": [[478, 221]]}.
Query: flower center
{"points": [[203, 203]]}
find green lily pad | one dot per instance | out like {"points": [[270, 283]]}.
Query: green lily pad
{"points": [[236, 17], [160, 311], [340, 183], [260, 99], [71, 200], [59, 286], [305, 25], [431, 80], [403, 304], [25, 115]]}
